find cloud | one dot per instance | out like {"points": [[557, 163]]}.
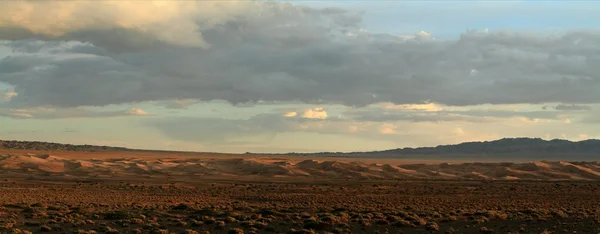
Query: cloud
{"points": [[415, 107], [310, 113], [388, 129], [136, 111], [180, 104], [563, 107], [7, 95], [65, 113], [259, 128], [459, 132], [436, 113], [315, 113], [103, 53], [266, 128], [104, 22], [290, 114]]}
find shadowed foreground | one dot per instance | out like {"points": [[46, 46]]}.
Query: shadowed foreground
{"points": [[336, 207]]}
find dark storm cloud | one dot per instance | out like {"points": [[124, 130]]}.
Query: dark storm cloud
{"points": [[290, 53]]}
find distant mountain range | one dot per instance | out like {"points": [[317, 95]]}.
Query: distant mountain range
{"points": [[506, 148], [530, 148]]}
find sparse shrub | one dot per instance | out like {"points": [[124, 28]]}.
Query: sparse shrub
{"points": [[382, 222], [432, 226], [196, 223], [364, 222], [181, 206], [416, 220], [118, 214], [80, 231], [79, 223], [32, 224], [259, 225], [340, 230], [235, 231], [159, 231], [449, 218], [6, 225], [303, 231], [136, 221], [559, 214], [38, 205], [315, 225], [270, 229], [220, 225], [181, 223], [45, 229], [190, 231], [228, 219], [480, 220], [403, 223], [19, 231], [329, 219], [485, 230], [209, 220], [393, 218]]}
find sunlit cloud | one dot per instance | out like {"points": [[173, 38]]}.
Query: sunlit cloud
{"points": [[315, 113]]}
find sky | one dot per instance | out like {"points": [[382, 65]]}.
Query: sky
{"points": [[298, 76]]}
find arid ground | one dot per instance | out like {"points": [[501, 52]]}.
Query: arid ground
{"points": [[158, 192]]}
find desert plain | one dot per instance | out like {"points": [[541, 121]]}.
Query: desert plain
{"points": [[128, 191]]}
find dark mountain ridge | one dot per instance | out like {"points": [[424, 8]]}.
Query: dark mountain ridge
{"points": [[508, 145]]}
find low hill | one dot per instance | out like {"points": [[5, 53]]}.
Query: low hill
{"points": [[48, 146]]}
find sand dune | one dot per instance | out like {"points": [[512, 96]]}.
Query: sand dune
{"points": [[44, 164]]}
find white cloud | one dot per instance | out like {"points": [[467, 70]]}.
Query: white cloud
{"points": [[388, 129], [315, 113], [386, 112], [136, 111], [290, 114], [419, 36], [402, 132], [416, 107], [7, 95], [173, 22], [18, 113], [459, 131]]}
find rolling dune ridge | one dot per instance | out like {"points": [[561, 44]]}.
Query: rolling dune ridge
{"points": [[270, 167]]}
